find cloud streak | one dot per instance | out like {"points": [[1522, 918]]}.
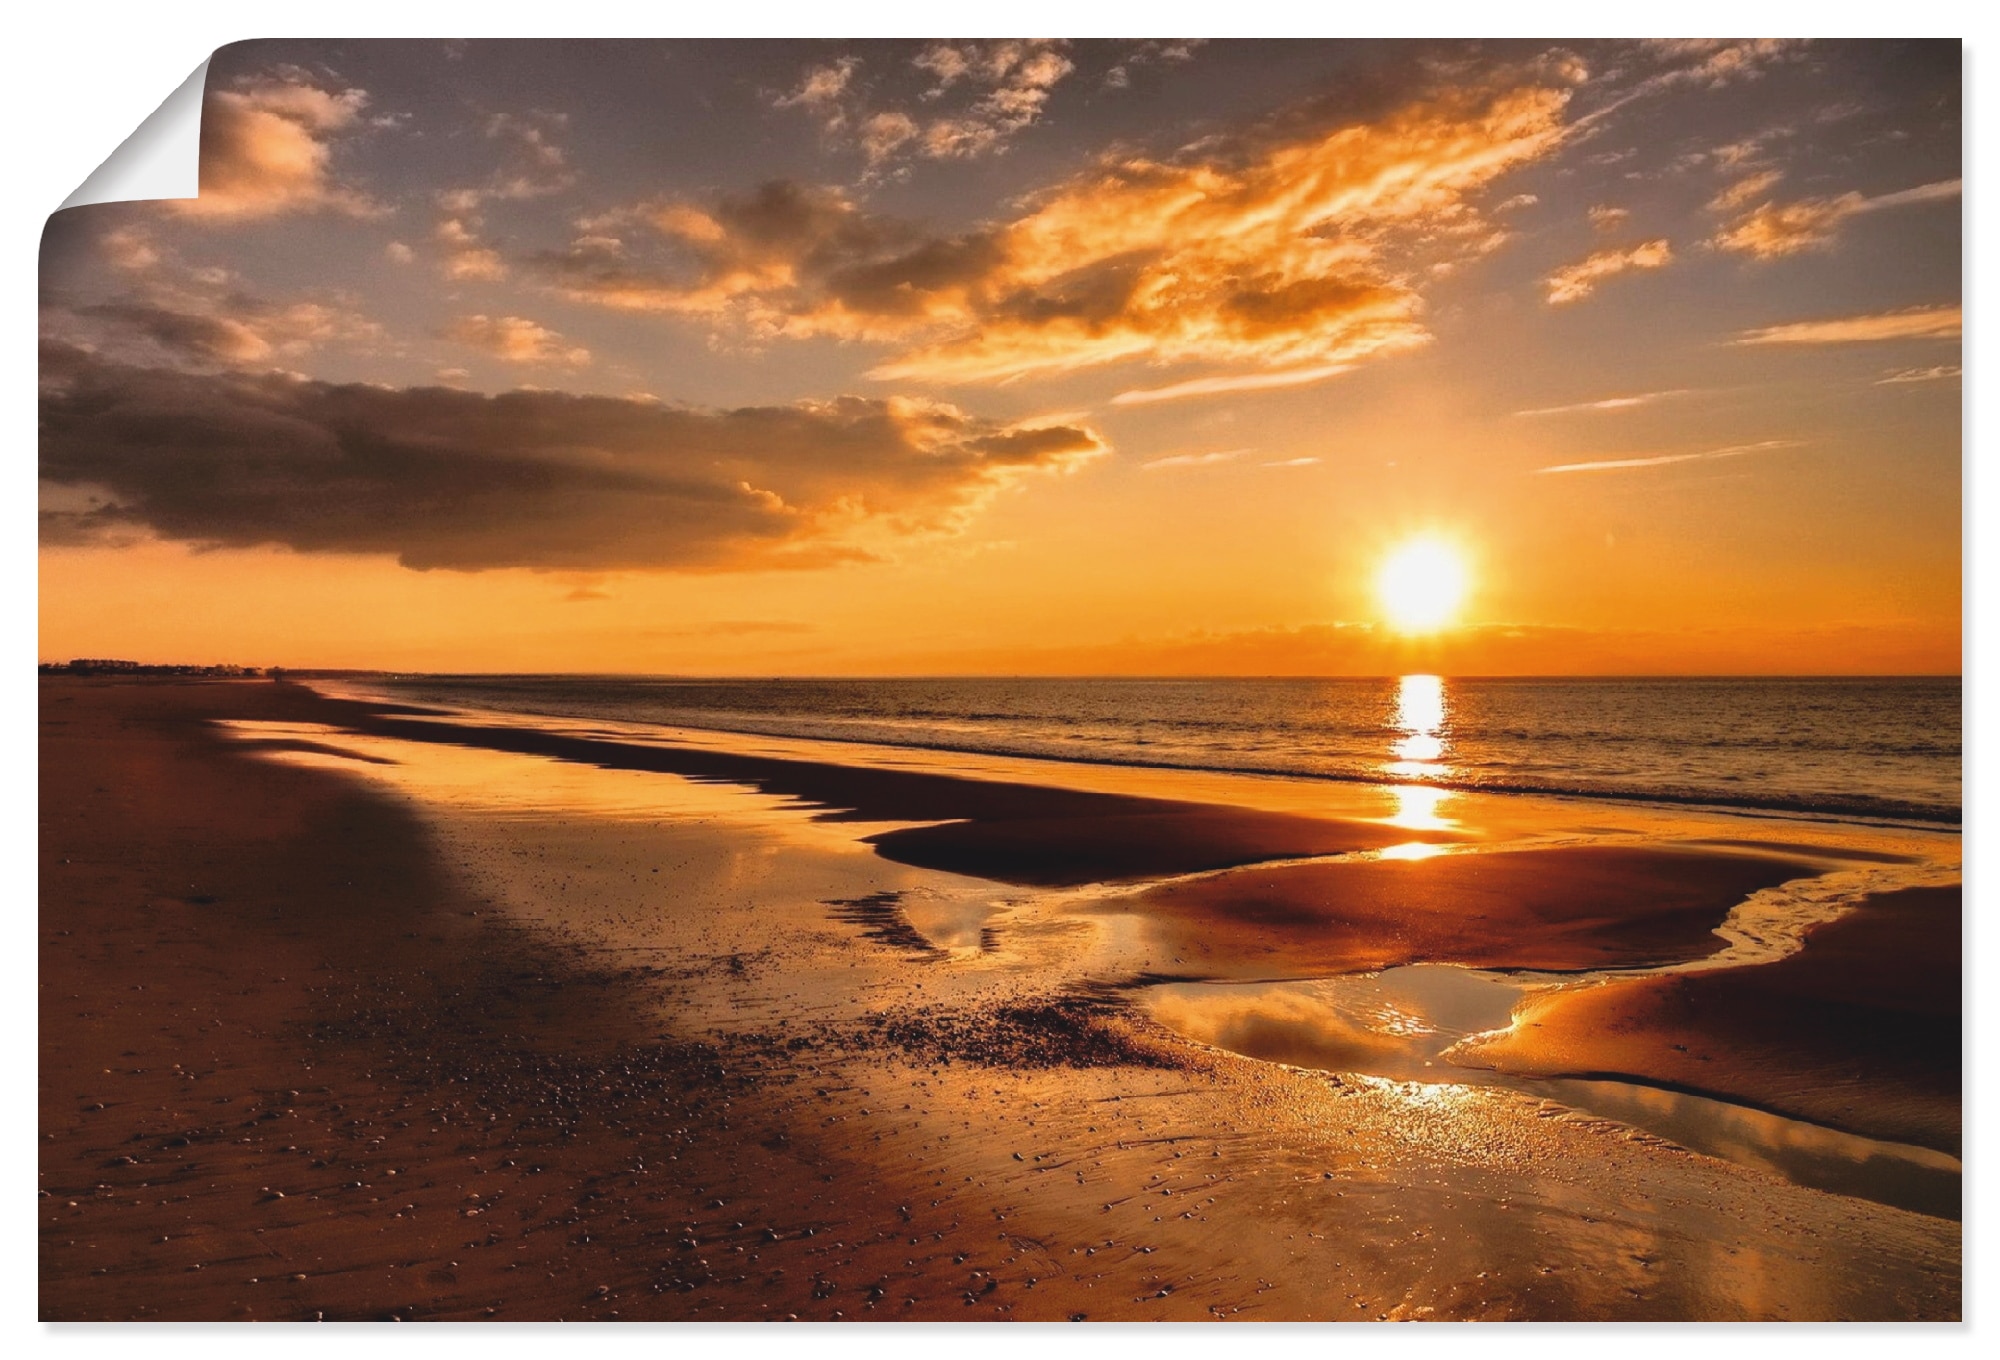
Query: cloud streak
{"points": [[1606, 403], [1179, 460], [1665, 459], [1773, 230], [1574, 282], [1915, 323], [536, 479]]}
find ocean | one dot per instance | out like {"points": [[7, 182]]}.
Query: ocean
{"points": [[1861, 749]]}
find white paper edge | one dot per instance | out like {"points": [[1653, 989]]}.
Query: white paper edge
{"points": [[162, 157]]}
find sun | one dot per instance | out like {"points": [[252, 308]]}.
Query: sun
{"points": [[1422, 585]]}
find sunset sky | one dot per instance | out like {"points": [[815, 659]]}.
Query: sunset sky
{"points": [[1021, 357]]}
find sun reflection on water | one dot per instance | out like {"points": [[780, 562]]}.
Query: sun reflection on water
{"points": [[1421, 722]]}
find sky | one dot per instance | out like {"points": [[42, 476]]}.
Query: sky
{"points": [[1021, 357]]}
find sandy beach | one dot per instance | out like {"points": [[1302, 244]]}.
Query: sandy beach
{"points": [[357, 1011]]}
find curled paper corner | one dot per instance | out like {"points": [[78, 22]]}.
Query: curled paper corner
{"points": [[162, 157]]}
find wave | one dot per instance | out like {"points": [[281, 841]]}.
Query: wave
{"points": [[1850, 763]]}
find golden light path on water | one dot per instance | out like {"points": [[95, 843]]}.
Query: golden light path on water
{"points": [[1420, 721]]}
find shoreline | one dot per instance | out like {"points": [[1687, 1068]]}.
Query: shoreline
{"points": [[1916, 816], [947, 1074]]}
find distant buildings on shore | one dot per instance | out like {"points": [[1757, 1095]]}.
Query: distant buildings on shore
{"points": [[100, 666]]}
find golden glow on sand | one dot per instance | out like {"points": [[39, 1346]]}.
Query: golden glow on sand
{"points": [[1422, 585]]}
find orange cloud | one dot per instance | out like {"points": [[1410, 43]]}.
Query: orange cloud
{"points": [[1914, 323], [1574, 282], [1606, 403], [1772, 230], [1664, 459], [266, 150], [516, 340], [1286, 250], [464, 256]]}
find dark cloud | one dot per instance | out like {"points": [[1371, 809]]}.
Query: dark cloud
{"points": [[543, 480]]}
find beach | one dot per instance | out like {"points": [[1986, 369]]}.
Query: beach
{"points": [[356, 1009]]}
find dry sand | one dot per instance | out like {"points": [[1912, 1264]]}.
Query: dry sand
{"points": [[502, 1033]]}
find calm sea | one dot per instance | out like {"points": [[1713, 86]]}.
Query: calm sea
{"points": [[1850, 748]]}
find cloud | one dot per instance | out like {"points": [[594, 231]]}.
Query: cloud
{"points": [[236, 329], [533, 164], [463, 255], [1195, 459], [1662, 460], [1151, 52], [1288, 249], [398, 253], [1606, 218], [1710, 63], [1293, 462], [1574, 282], [516, 340], [1744, 190], [979, 95], [1245, 382], [1606, 403], [266, 150], [1919, 375], [537, 479], [1913, 323], [130, 249], [822, 92], [1771, 230]]}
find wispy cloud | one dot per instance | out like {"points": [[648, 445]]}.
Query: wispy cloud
{"points": [[980, 95], [1293, 462], [1606, 403], [1772, 230], [1574, 282], [1920, 375], [1662, 460], [1195, 459], [1914, 323], [1241, 382]]}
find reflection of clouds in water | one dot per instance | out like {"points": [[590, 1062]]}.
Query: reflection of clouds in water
{"points": [[1910, 1177], [1393, 1024], [1281, 1027]]}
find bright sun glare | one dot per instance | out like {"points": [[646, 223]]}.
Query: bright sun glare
{"points": [[1422, 585]]}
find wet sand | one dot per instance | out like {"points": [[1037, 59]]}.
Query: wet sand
{"points": [[354, 1024], [1551, 910], [1860, 1030], [1015, 833]]}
